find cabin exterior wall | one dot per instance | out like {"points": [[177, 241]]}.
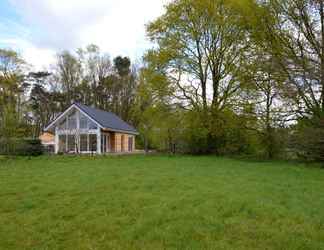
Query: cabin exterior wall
{"points": [[75, 133]]}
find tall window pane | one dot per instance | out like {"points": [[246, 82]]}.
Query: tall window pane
{"points": [[62, 143], [72, 121], [83, 121], [83, 143], [71, 143], [62, 125], [93, 143]]}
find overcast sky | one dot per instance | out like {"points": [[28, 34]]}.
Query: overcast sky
{"points": [[40, 28]]}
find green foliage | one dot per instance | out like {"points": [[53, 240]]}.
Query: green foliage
{"points": [[11, 129], [274, 143], [200, 49], [156, 117], [308, 139], [21, 147], [13, 123], [122, 65], [195, 133], [30, 147], [240, 72], [221, 133]]}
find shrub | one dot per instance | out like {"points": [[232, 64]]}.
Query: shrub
{"points": [[308, 139], [31, 147], [21, 147]]}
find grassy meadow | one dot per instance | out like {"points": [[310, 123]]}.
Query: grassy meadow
{"points": [[159, 202]]}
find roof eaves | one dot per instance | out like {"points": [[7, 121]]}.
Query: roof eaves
{"points": [[134, 132]]}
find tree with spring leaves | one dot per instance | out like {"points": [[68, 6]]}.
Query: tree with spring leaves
{"points": [[293, 33], [12, 97], [198, 47]]}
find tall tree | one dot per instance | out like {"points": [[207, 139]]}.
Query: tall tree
{"points": [[292, 31], [12, 98], [39, 95], [158, 119], [96, 68], [264, 100], [198, 47], [125, 85], [68, 73], [12, 84]]}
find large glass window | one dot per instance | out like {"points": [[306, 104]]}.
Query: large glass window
{"points": [[83, 121], [62, 125], [71, 143], [93, 142], [72, 121], [62, 143], [83, 143]]}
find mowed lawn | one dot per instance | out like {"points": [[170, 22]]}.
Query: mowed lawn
{"points": [[159, 202]]}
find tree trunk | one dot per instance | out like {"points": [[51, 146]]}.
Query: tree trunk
{"points": [[269, 136], [322, 52], [216, 80], [146, 144]]}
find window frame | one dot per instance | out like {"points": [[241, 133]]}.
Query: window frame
{"points": [[74, 143], [93, 144], [87, 143], [83, 117]]}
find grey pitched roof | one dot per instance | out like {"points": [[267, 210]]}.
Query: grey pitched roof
{"points": [[106, 119]]}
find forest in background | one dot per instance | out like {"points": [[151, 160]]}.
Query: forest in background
{"points": [[235, 77]]}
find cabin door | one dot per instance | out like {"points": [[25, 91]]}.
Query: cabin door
{"points": [[104, 143]]}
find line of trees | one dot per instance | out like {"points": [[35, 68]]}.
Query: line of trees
{"points": [[237, 77], [223, 77]]}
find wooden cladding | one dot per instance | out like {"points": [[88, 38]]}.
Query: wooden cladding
{"points": [[112, 142], [122, 142]]}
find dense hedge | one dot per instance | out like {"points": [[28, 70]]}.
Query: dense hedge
{"points": [[21, 147]]}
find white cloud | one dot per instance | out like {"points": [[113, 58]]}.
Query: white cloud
{"points": [[37, 58], [56, 24], [122, 31], [48, 26]]}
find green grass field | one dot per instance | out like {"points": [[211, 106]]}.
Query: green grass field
{"points": [[159, 202]]}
